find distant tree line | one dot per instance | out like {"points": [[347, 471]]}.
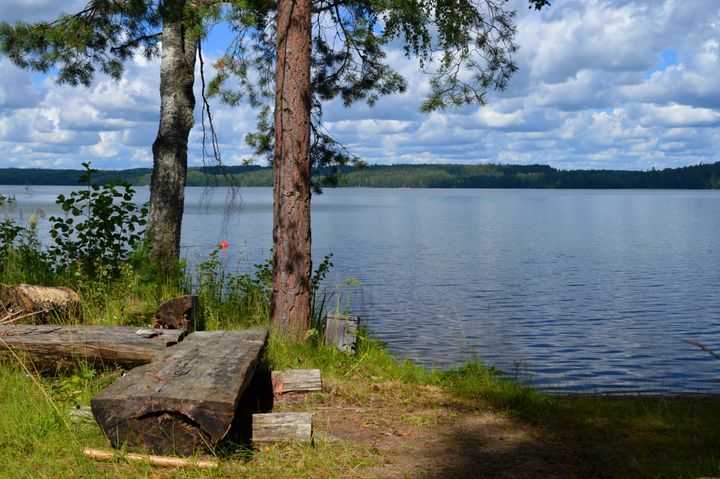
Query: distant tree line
{"points": [[410, 176]]}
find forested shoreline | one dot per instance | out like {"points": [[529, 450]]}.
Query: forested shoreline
{"points": [[409, 176]]}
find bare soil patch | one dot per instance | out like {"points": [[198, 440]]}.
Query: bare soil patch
{"points": [[425, 434]]}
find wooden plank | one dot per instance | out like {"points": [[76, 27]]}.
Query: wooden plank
{"points": [[274, 427], [296, 380], [106, 345], [185, 401], [341, 331]]}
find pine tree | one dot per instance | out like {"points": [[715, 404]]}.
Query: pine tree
{"points": [[327, 49]]}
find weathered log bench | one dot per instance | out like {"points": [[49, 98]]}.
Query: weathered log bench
{"points": [[186, 400], [187, 391], [109, 345]]}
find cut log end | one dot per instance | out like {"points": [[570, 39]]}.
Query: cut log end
{"points": [[341, 332], [296, 380], [25, 303], [164, 433], [177, 313]]}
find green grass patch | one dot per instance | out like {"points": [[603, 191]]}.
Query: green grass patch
{"points": [[594, 436], [661, 437]]}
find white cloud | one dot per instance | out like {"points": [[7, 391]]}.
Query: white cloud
{"points": [[108, 147], [678, 116], [369, 127], [601, 84], [491, 118], [692, 82], [16, 89]]}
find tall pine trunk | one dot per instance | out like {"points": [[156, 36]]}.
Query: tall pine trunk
{"points": [[292, 264], [177, 101]]}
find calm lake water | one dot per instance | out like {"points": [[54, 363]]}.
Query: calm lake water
{"points": [[579, 291]]}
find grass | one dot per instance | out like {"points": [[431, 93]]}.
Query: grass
{"points": [[375, 412], [584, 436], [376, 417]]}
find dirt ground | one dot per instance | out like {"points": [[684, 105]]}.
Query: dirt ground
{"points": [[423, 438]]}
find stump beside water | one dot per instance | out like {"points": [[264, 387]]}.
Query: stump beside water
{"points": [[341, 331]]}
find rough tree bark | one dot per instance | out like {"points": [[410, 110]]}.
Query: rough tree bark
{"points": [[292, 264], [177, 101]]}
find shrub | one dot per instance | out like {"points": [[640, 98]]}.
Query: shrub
{"points": [[100, 229]]}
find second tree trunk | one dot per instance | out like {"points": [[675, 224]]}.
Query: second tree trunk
{"points": [[177, 101], [292, 264]]}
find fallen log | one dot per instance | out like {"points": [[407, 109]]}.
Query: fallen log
{"points": [[101, 345], [296, 380], [186, 401], [275, 427], [38, 304]]}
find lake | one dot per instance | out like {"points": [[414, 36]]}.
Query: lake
{"points": [[570, 290]]}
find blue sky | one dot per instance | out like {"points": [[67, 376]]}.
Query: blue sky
{"points": [[601, 84]]}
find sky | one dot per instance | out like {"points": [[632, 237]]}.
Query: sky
{"points": [[602, 84]]}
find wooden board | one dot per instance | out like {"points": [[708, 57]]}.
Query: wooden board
{"points": [[341, 331], [296, 380], [274, 427], [103, 345], [185, 401]]}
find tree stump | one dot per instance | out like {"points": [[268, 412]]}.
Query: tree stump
{"points": [[341, 331], [187, 400], [38, 304], [177, 313]]}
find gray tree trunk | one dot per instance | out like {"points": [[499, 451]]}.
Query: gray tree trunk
{"points": [[292, 264], [177, 102]]}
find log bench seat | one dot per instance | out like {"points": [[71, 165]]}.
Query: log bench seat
{"points": [[186, 400]]}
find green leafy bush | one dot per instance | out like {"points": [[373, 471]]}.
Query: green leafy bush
{"points": [[101, 227]]}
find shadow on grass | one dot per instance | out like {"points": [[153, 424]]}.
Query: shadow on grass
{"points": [[587, 437]]}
